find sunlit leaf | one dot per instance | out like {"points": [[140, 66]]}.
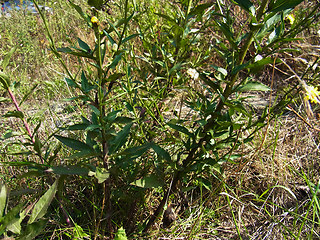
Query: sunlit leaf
{"points": [[253, 86], [3, 198], [40, 208], [121, 234], [101, 174], [7, 57], [151, 181]]}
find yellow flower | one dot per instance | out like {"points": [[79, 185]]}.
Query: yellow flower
{"points": [[312, 94], [94, 20], [291, 18]]}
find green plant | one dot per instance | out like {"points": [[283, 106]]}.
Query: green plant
{"points": [[125, 147]]}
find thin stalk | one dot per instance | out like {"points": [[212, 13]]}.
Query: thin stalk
{"points": [[26, 125]]}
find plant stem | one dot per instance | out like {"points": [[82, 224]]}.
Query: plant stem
{"points": [[26, 125]]}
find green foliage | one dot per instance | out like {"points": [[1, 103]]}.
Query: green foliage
{"points": [[124, 81]]}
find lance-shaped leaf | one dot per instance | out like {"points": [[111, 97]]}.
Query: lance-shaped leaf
{"points": [[7, 57], [3, 198], [253, 86], [281, 5], [40, 208], [17, 114], [120, 139], [161, 152], [73, 143], [247, 5], [69, 170], [84, 46], [4, 80]]}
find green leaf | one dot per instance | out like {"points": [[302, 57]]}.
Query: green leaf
{"points": [[161, 152], [17, 114], [247, 5], [101, 174], [170, 19], [258, 65], [148, 182], [226, 29], [83, 154], [78, 54], [121, 138], [4, 80], [130, 37], [33, 230], [3, 99], [116, 60], [68, 170], [82, 14], [25, 97], [11, 217], [3, 198], [84, 46], [7, 57], [198, 10], [15, 225], [73, 143], [121, 234], [179, 128], [253, 86], [281, 5], [37, 145], [40, 208], [85, 85], [71, 82], [78, 232], [135, 152]]}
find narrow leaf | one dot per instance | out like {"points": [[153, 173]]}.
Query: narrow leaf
{"points": [[281, 5], [73, 143], [3, 198], [17, 114], [7, 57], [84, 46], [4, 80], [68, 170], [253, 86], [120, 139], [161, 152], [246, 5]]}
